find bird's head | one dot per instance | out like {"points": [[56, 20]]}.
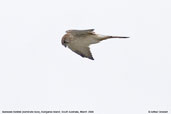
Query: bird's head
{"points": [[65, 40]]}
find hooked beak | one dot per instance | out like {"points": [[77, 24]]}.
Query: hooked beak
{"points": [[64, 44]]}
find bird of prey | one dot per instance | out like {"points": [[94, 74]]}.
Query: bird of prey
{"points": [[79, 40]]}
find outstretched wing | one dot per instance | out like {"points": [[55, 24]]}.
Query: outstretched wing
{"points": [[83, 51], [80, 32]]}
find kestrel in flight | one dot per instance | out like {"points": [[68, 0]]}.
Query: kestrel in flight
{"points": [[79, 40]]}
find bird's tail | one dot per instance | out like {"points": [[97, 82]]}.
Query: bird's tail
{"points": [[117, 37], [108, 37]]}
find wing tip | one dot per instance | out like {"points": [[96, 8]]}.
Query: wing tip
{"points": [[91, 58], [91, 29]]}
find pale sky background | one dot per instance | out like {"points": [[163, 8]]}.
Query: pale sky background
{"points": [[128, 76]]}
